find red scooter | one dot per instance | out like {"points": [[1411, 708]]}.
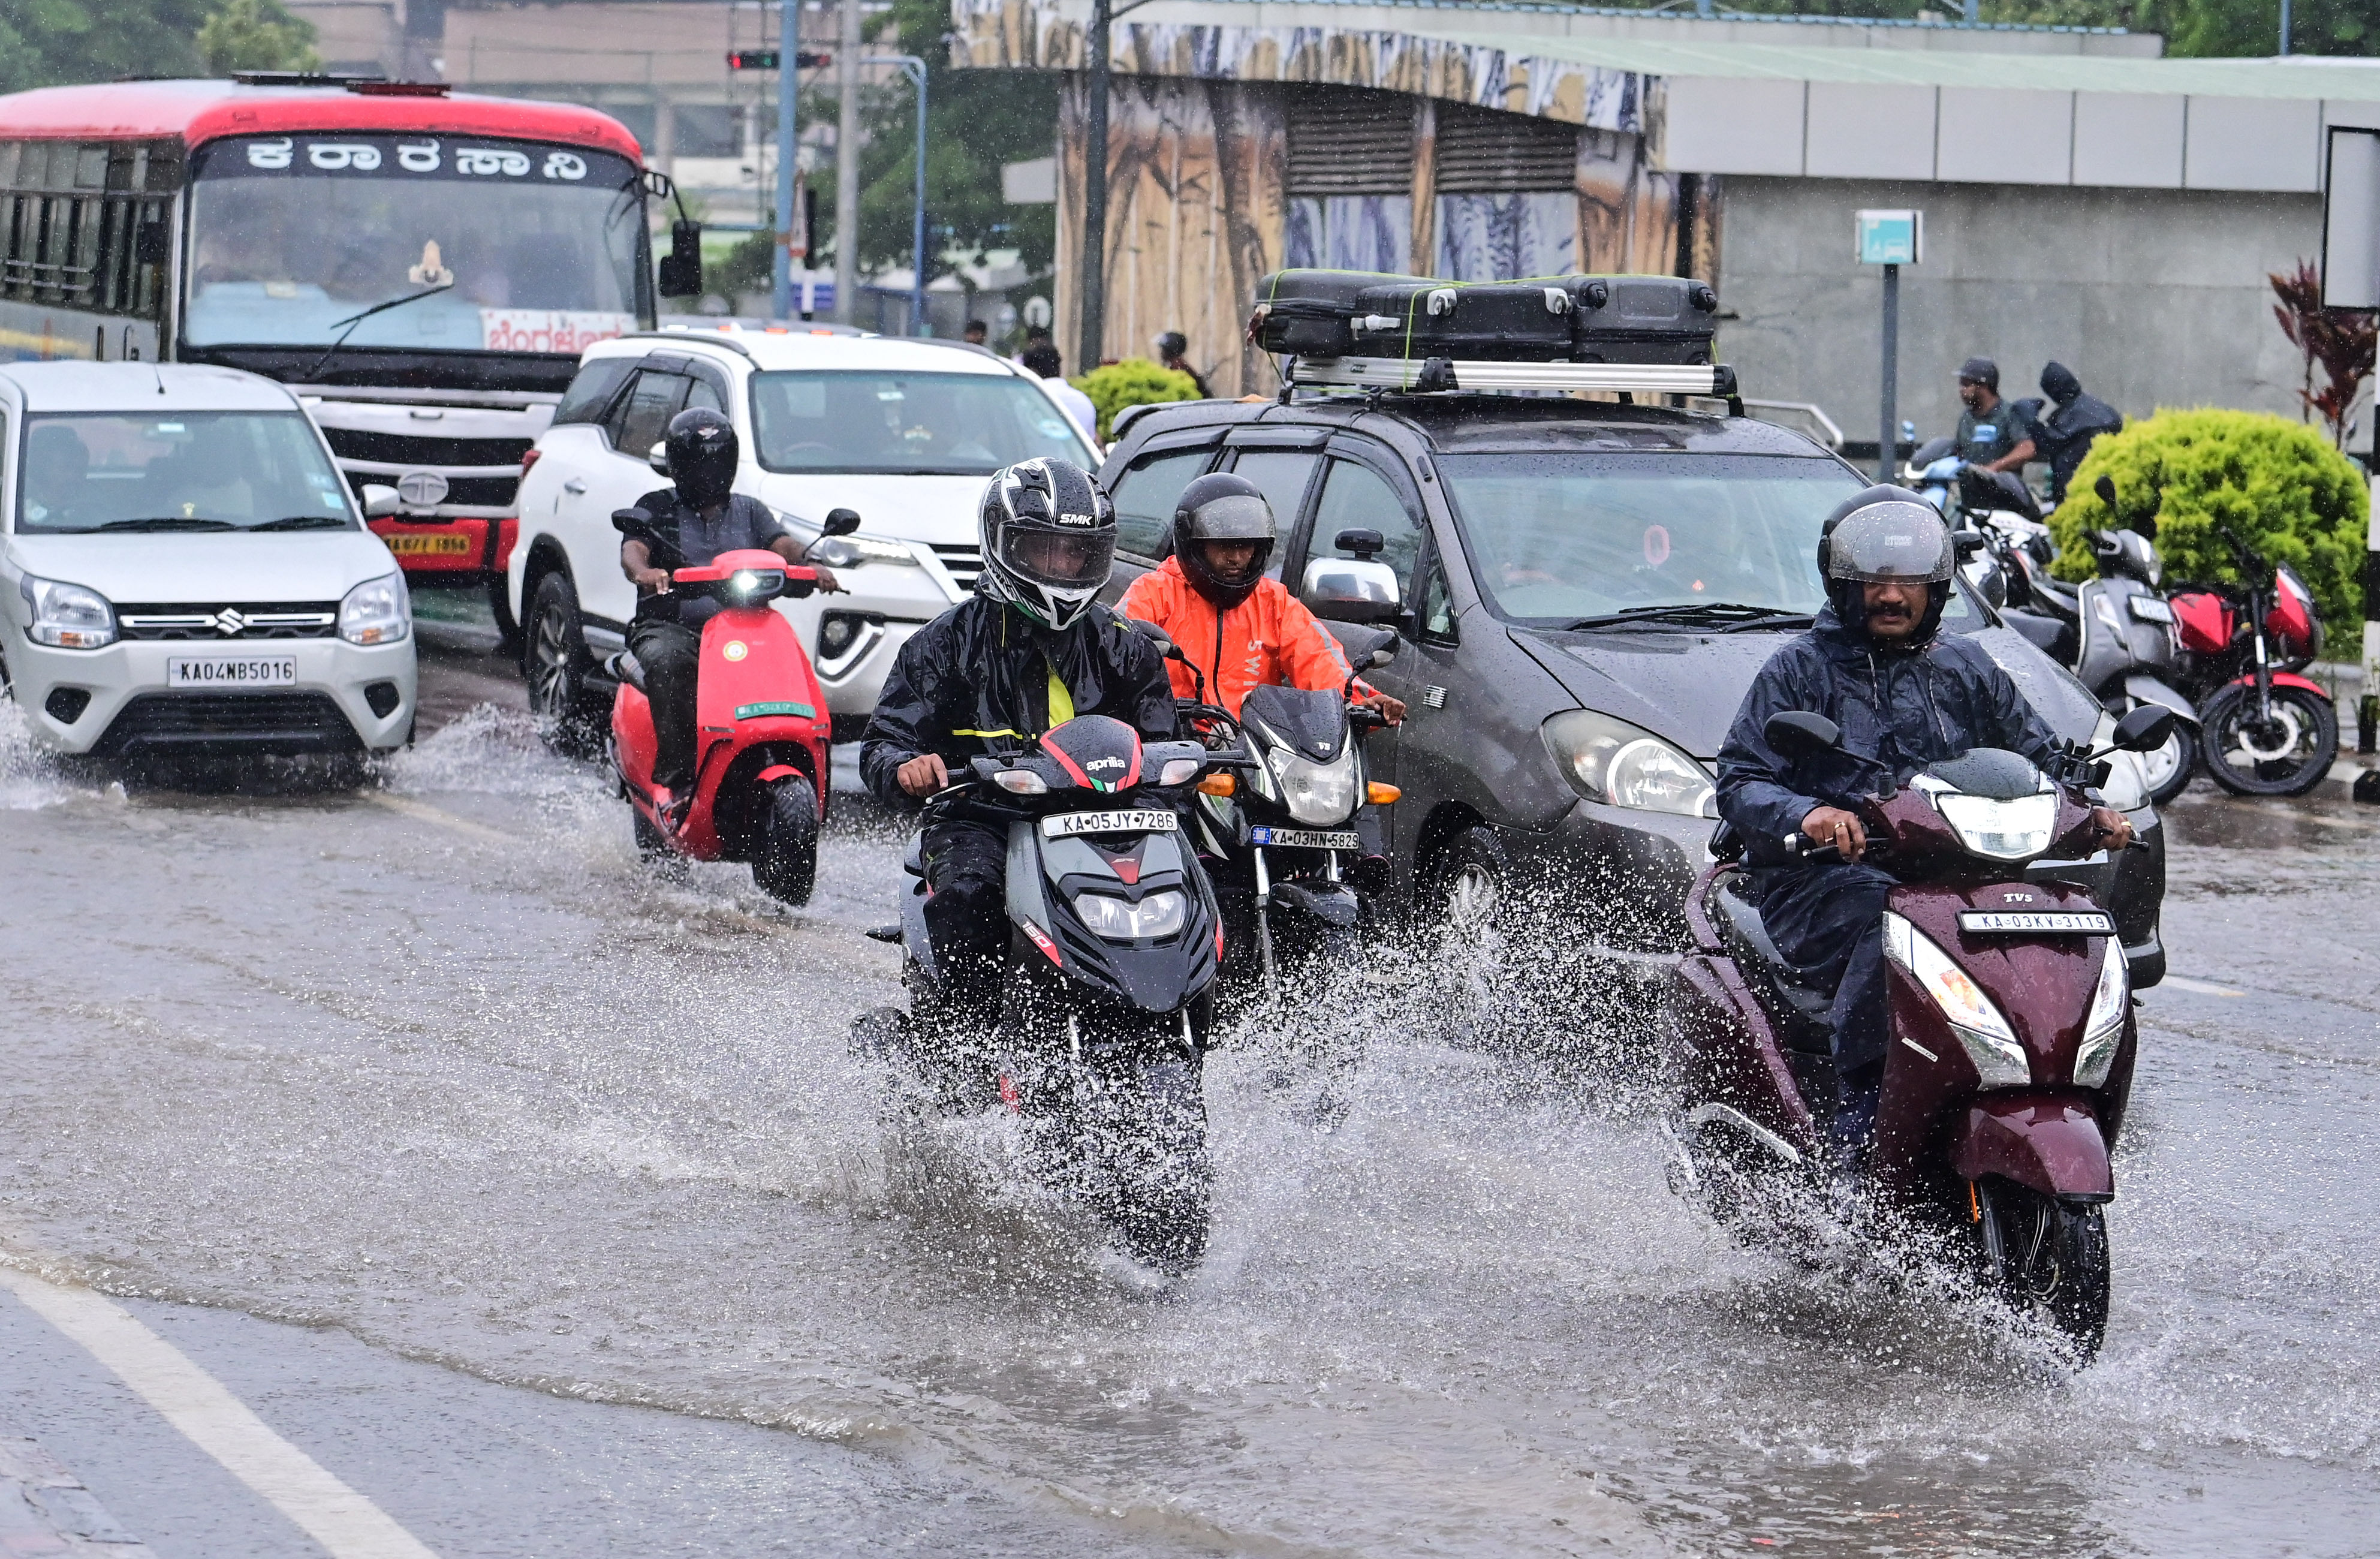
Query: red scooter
{"points": [[2268, 729], [761, 725], [2010, 1031]]}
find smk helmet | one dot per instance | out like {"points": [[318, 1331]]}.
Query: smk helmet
{"points": [[1885, 533], [702, 456], [1049, 536], [1222, 507]]}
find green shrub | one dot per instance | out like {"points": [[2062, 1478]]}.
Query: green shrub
{"points": [[1132, 381], [2277, 484]]}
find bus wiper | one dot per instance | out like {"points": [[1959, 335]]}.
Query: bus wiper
{"points": [[302, 522], [1724, 615], [353, 320], [167, 522]]}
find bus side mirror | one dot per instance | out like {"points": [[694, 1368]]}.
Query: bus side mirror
{"points": [[681, 268]]}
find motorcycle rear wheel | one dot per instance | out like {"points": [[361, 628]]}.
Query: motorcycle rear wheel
{"points": [[787, 865], [2048, 1260], [2287, 756]]}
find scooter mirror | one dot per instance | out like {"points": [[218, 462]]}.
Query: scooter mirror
{"points": [[1797, 733], [842, 522], [2144, 729], [1378, 659], [2106, 489]]}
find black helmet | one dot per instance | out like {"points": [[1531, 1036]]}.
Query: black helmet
{"points": [[702, 457], [1885, 533], [1049, 537], [1222, 507]]}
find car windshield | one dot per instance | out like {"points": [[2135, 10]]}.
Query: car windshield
{"points": [[1577, 538], [186, 470], [512, 247], [908, 424]]}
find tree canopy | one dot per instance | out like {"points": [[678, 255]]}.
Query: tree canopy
{"points": [[63, 43]]}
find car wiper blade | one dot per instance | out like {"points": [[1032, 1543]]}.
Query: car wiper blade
{"points": [[167, 522], [1694, 614], [302, 522]]}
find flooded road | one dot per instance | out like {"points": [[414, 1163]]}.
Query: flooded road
{"points": [[439, 1063]]}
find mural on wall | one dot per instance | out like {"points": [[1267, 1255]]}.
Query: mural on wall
{"points": [[1350, 232], [1499, 238]]}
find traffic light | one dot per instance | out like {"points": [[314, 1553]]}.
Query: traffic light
{"points": [[768, 59]]}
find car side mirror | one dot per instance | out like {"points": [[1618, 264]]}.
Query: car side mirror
{"points": [[1797, 733], [1351, 589], [2144, 729], [380, 501], [1969, 542], [681, 268], [842, 522], [658, 457]]}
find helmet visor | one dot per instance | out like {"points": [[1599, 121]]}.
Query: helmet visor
{"points": [[1890, 542], [1058, 560], [1234, 517]]}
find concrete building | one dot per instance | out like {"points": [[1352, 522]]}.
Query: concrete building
{"points": [[2085, 199]]}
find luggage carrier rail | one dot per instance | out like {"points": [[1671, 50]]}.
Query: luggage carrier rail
{"points": [[1421, 375]]}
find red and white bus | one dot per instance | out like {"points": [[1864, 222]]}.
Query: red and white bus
{"points": [[423, 269]]}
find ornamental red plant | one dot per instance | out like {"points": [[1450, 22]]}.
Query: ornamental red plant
{"points": [[2342, 342]]}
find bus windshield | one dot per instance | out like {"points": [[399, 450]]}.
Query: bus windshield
{"points": [[510, 246]]}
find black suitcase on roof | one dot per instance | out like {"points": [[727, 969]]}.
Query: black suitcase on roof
{"points": [[1313, 313], [1507, 321], [1640, 320], [1630, 319]]}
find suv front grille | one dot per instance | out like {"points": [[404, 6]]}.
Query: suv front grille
{"points": [[281, 721], [362, 444], [260, 619], [963, 563]]}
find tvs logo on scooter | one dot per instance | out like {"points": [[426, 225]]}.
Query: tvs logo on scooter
{"points": [[2015, 898]]}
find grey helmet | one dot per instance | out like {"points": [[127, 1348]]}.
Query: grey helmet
{"points": [[1049, 534], [1885, 533], [1222, 507]]}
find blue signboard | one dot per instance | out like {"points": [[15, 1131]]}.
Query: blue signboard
{"points": [[1891, 237]]}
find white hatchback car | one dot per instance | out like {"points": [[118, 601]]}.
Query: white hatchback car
{"points": [[902, 431], [181, 567]]}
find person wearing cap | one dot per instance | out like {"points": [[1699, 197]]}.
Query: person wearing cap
{"points": [[1905, 695], [1992, 433], [1173, 352]]}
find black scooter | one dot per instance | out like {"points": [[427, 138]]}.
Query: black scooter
{"points": [[1106, 997]]}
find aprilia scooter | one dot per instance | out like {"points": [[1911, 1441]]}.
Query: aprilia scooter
{"points": [[2009, 1036], [2269, 729], [1105, 1004], [761, 725]]}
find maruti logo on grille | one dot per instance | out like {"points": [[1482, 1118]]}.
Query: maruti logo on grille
{"points": [[422, 488], [228, 622]]}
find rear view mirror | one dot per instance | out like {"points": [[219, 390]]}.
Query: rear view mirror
{"points": [[1969, 542], [681, 268], [658, 457], [2106, 488], [1797, 733], [1157, 636], [1351, 589], [380, 502], [1380, 658], [1365, 543], [2144, 729], [842, 522]]}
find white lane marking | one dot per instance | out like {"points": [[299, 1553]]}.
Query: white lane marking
{"points": [[2203, 987], [428, 813], [347, 1524]]}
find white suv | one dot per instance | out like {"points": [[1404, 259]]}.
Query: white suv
{"points": [[902, 431], [182, 567]]}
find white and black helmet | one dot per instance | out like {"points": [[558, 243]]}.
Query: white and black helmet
{"points": [[1049, 537]]}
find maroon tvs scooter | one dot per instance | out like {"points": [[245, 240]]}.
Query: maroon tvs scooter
{"points": [[2010, 1032]]}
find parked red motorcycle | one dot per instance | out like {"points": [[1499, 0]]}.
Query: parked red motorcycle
{"points": [[2267, 729], [2009, 1030], [761, 724]]}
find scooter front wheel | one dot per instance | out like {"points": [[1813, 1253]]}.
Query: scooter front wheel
{"points": [[2048, 1259], [787, 865], [2286, 755]]}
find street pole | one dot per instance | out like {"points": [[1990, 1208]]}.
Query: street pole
{"points": [[2285, 26], [1093, 276], [914, 68], [1885, 440], [789, 86], [846, 169]]}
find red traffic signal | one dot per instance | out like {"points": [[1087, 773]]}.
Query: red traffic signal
{"points": [[769, 59]]}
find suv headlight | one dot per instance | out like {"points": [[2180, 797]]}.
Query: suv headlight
{"points": [[2014, 830], [2000, 1060], [2104, 1029], [844, 552], [1623, 766], [1319, 794], [1113, 920], [66, 617], [376, 612]]}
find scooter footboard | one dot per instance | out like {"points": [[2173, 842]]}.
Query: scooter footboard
{"points": [[1736, 1060], [2049, 1143]]}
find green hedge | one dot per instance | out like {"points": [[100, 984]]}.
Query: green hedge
{"points": [[2278, 485], [1132, 381]]}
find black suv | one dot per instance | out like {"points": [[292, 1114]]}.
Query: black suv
{"points": [[1586, 590]]}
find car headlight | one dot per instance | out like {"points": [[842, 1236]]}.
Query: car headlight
{"points": [[1623, 766], [2000, 1060], [66, 617], [376, 612], [1114, 919], [844, 552], [2104, 1029], [2013, 830], [1319, 794]]}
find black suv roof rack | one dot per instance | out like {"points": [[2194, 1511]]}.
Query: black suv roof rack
{"points": [[1429, 375]]}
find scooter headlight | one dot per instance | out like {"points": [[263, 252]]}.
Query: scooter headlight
{"points": [[66, 617], [2012, 830], [376, 612], [2104, 1030], [2000, 1060], [1114, 919], [1318, 793]]}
